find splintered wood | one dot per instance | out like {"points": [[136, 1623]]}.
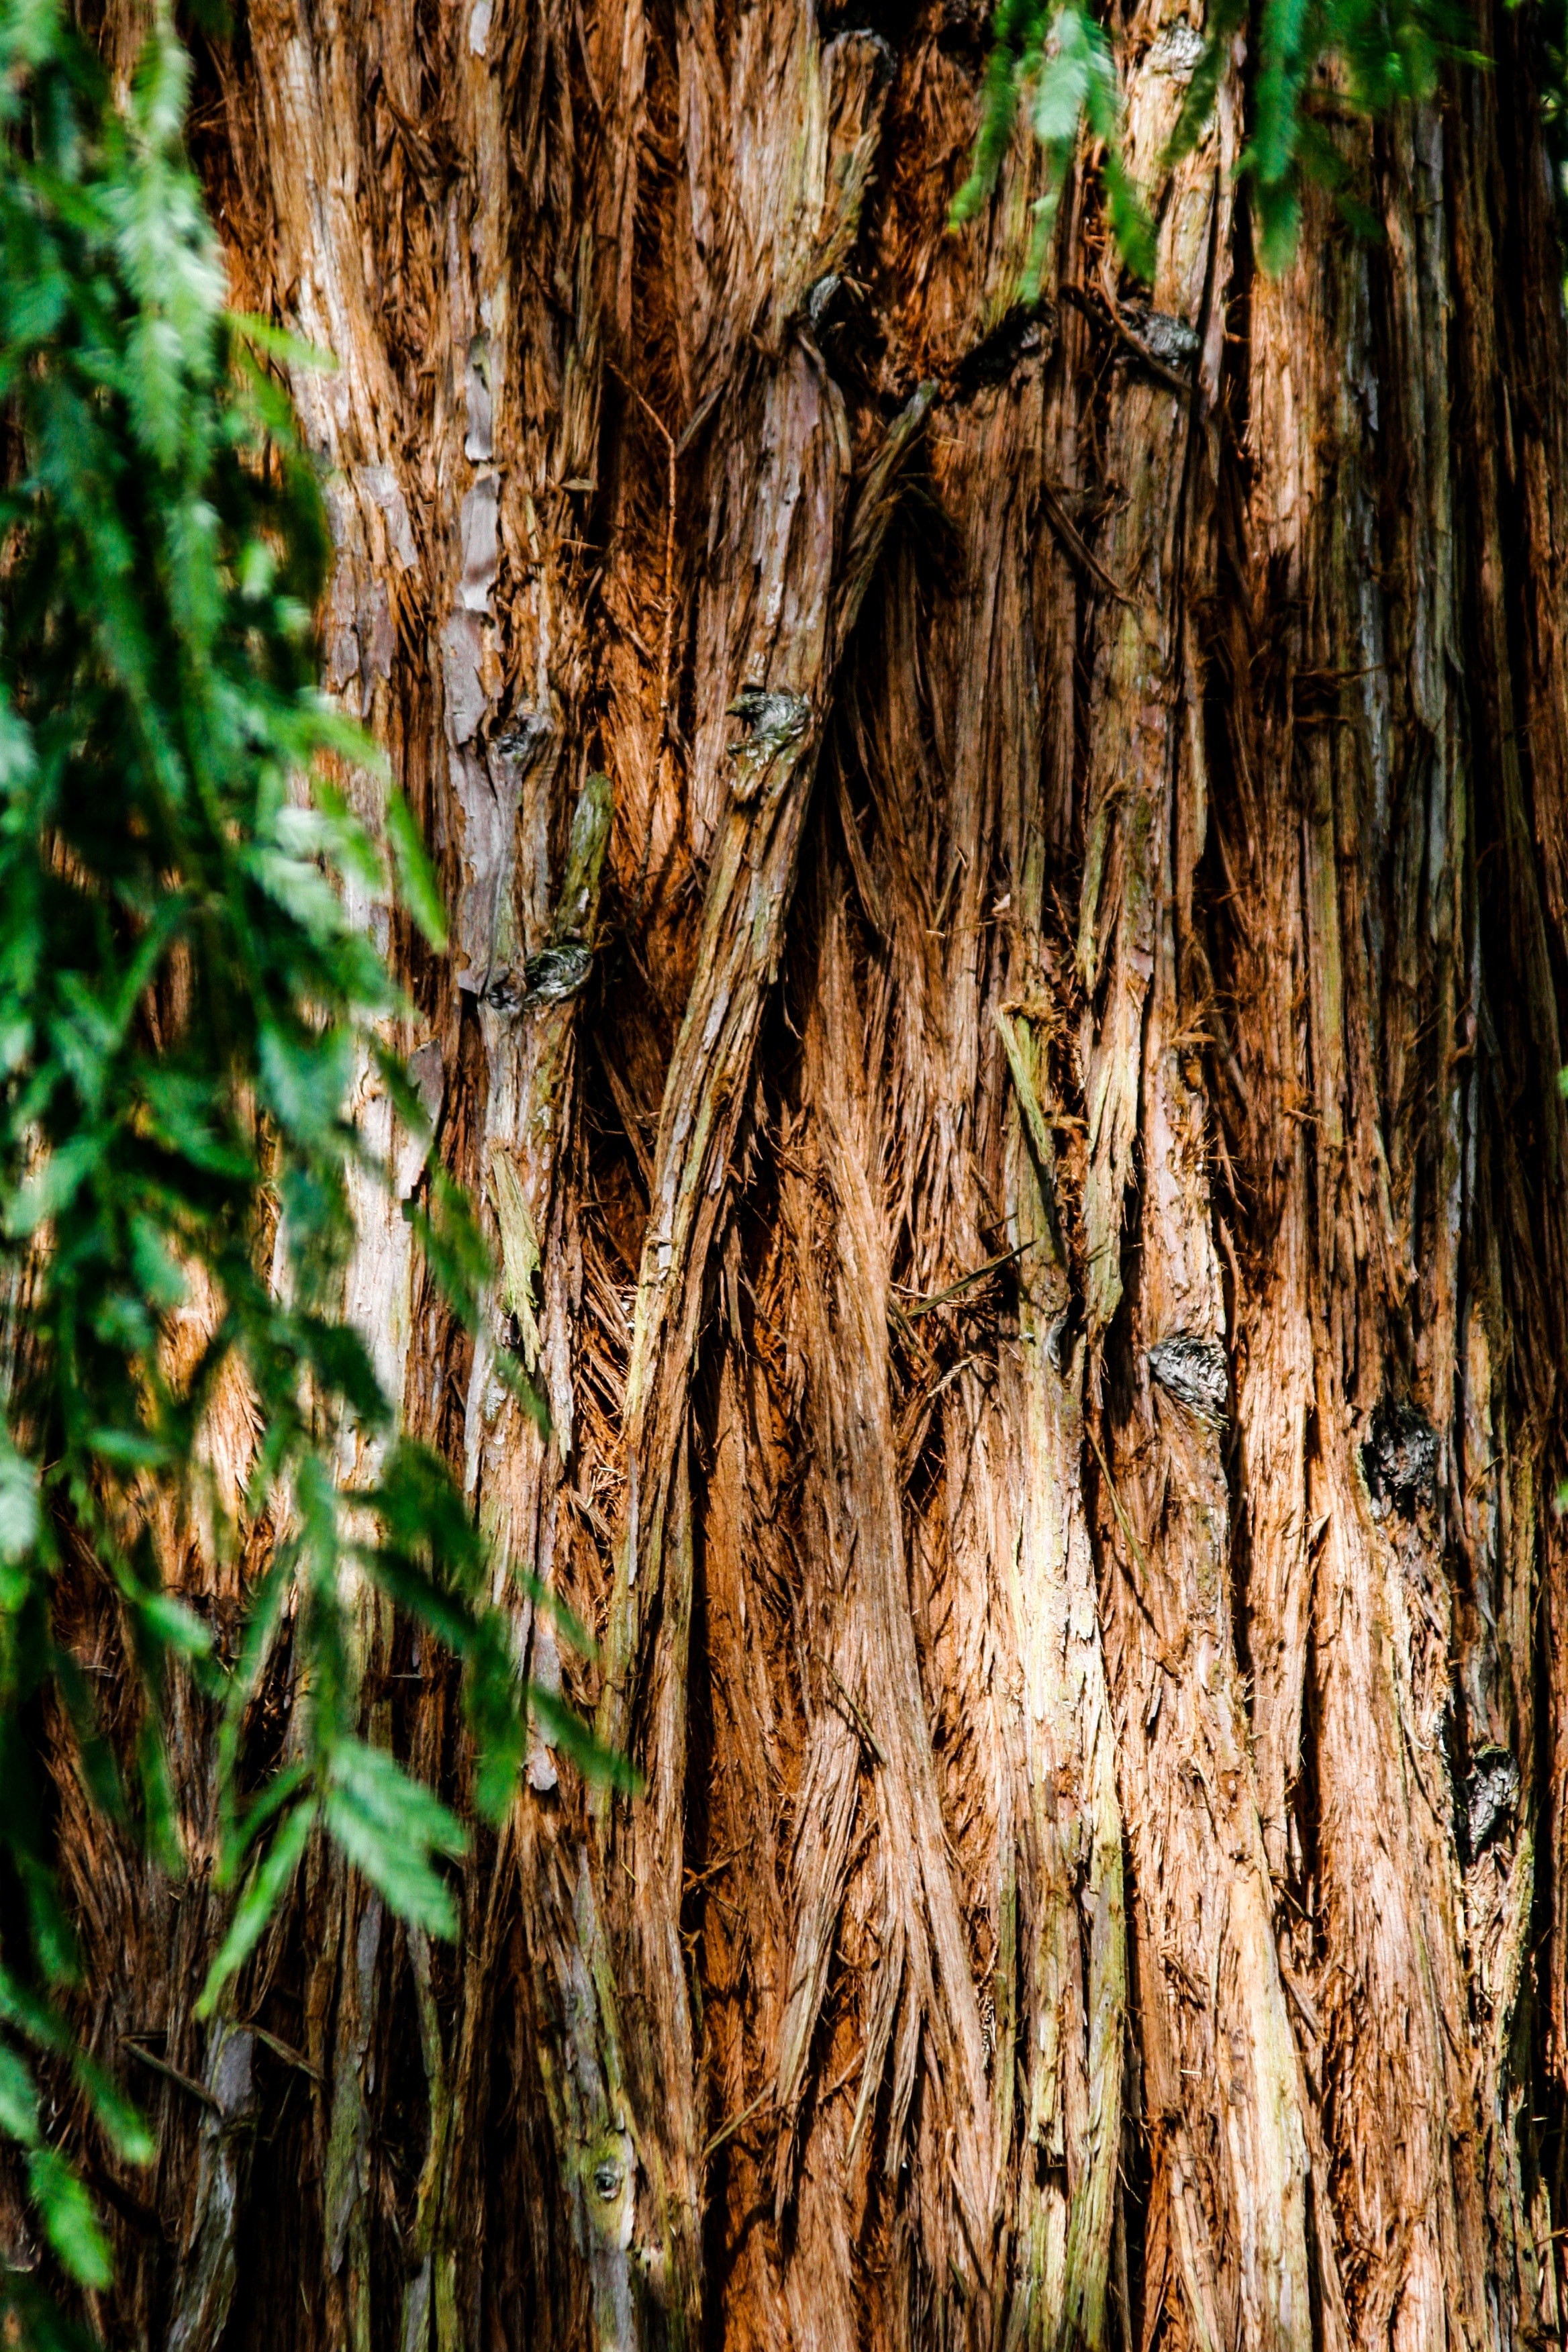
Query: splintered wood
{"points": [[1008, 872]]}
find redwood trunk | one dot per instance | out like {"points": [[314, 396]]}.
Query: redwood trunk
{"points": [[1045, 1234]]}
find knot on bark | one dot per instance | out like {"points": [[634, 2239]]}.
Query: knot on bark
{"points": [[1192, 1369], [774, 721], [1162, 337], [1491, 1796], [844, 327], [555, 974], [1025, 331], [1399, 1459]]}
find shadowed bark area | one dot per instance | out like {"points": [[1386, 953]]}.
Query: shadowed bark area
{"points": [[1008, 871]]}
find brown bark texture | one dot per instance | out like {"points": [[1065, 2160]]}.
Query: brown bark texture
{"points": [[1043, 1227]]}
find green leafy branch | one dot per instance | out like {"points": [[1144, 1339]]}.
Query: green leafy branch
{"points": [[1051, 62], [185, 1010], [1366, 55]]}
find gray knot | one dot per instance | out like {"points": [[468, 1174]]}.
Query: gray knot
{"points": [[823, 296], [1060, 1341], [555, 974], [1176, 52], [1168, 340], [1399, 1459], [606, 2180], [774, 721], [1492, 1796], [1025, 331], [1192, 1369], [842, 325], [523, 743]]}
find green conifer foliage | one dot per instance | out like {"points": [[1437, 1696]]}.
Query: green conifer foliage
{"points": [[183, 1004], [1051, 63]]}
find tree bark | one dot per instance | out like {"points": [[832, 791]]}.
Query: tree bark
{"points": [[1045, 1234]]}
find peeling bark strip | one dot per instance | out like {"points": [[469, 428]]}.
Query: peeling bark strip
{"points": [[1008, 873]]}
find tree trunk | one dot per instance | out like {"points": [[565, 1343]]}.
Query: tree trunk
{"points": [[1045, 1234]]}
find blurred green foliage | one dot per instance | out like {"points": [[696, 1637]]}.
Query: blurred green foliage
{"points": [[1305, 62], [185, 1009]]}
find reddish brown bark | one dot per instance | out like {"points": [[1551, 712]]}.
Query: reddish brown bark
{"points": [[1044, 1236]]}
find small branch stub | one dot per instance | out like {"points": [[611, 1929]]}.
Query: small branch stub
{"points": [[775, 723], [1192, 1369], [1491, 1796], [1399, 1459]]}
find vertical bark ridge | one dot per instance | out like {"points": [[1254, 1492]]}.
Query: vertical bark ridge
{"points": [[1370, 1235], [1222, 2078]]}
